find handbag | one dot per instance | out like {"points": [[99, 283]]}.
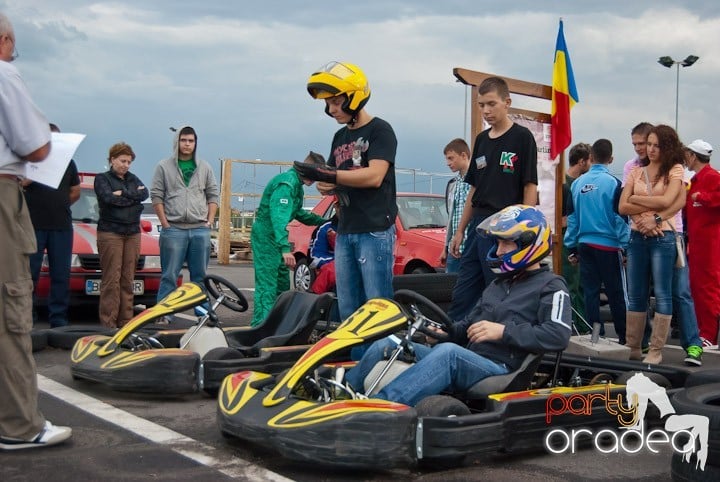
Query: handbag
{"points": [[681, 258]]}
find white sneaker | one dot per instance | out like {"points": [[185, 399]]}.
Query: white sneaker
{"points": [[49, 435], [708, 345]]}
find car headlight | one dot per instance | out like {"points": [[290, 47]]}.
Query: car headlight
{"points": [[152, 262], [74, 261]]}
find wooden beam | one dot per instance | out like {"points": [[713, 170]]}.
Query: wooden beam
{"points": [[522, 87], [223, 256]]}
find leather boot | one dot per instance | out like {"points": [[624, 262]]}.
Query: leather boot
{"points": [[634, 330], [660, 329]]}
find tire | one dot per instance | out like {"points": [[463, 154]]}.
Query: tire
{"points": [[39, 340], [64, 337], [420, 270], [686, 472], [702, 377], [303, 276], [223, 353], [441, 406], [703, 400], [437, 287], [218, 354], [655, 377]]}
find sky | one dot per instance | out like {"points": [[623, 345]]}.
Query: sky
{"points": [[236, 70]]}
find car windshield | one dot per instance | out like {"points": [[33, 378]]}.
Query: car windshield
{"points": [[86, 209], [422, 212]]}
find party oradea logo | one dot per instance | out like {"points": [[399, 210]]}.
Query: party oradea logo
{"points": [[630, 437]]}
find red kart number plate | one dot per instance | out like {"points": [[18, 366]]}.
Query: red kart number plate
{"points": [[92, 287]]}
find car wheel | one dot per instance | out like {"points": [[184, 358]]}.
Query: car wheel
{"points": [[420, 270], [303, 276]]}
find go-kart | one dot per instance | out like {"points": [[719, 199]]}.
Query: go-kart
{"points": [[185, 361], [308, 414]]}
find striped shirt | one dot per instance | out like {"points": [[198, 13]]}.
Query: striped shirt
{"points": [[457, 194]]}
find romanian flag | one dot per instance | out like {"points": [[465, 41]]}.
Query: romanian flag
{"points": [[564, 97]]}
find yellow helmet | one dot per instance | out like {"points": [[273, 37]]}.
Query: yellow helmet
{"points": [[338, 78]]}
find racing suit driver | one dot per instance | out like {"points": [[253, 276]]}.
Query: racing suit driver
{"points": [[281, 202]]}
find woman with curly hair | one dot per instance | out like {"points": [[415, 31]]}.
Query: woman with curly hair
{"points": [[652, 191]]}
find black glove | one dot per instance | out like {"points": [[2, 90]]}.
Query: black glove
{"points": [[316, 172]]}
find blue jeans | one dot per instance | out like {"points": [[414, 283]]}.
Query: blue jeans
{"points": [[363, 268], [603, 267], [685, 308], [58, 244], [446, 367], [648, 257], [474, 274], [452, 265], [178, 246]]}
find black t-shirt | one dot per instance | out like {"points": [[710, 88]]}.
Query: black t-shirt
{"points": [[50, 208], [367, 209], [500, 168]]}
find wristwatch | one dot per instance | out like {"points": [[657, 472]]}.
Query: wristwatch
{"points": [[658, 219]]}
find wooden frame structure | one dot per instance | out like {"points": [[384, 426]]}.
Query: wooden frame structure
{"points": [[529, 89]]}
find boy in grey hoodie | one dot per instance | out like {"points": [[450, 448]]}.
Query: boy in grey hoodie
{"points": [[184, 194]]}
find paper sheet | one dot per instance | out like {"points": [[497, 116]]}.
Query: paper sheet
{"points": [[51, 170]]}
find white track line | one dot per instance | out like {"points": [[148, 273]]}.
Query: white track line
{"points": [[201, 453]]}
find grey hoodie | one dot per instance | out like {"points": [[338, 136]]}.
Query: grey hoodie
{"points": [[185, 206]]}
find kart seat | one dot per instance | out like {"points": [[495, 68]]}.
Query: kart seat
{"points": [[510, 382], [290, 322]]}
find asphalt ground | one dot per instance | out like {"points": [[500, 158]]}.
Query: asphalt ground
{"points": [[124, 436]]}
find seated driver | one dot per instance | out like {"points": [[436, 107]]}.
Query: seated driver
{"points": [[525, 310]]}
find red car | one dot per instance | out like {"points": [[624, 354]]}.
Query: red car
{"points": [[85, 270], [421, 227]]}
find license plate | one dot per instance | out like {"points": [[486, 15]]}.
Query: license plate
{"points": [[92, 287]]}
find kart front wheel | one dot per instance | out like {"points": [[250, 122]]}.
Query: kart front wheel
{"points": [[441, 406]]}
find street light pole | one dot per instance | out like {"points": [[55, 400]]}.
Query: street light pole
{"points": [[668, 62]]}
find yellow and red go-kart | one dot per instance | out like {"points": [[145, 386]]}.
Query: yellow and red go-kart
{"points": [[308, 414], [185, 361]]}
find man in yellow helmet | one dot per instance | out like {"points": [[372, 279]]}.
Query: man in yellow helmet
{"points": [[361, 171]]}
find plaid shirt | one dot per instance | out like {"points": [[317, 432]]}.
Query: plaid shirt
{"points": [[457, 195]]}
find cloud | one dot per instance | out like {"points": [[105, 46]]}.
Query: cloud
{"points": [[237, 72]]}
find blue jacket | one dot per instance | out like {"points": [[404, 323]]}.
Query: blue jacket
{"points": [[595, 220]]}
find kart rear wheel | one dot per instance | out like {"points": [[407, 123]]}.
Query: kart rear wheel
{"points": [[216, 285], [623, 378], [441, 406]]}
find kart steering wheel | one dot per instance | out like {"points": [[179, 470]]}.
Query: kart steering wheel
{"points": [[228, 294], [411, 298]]}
